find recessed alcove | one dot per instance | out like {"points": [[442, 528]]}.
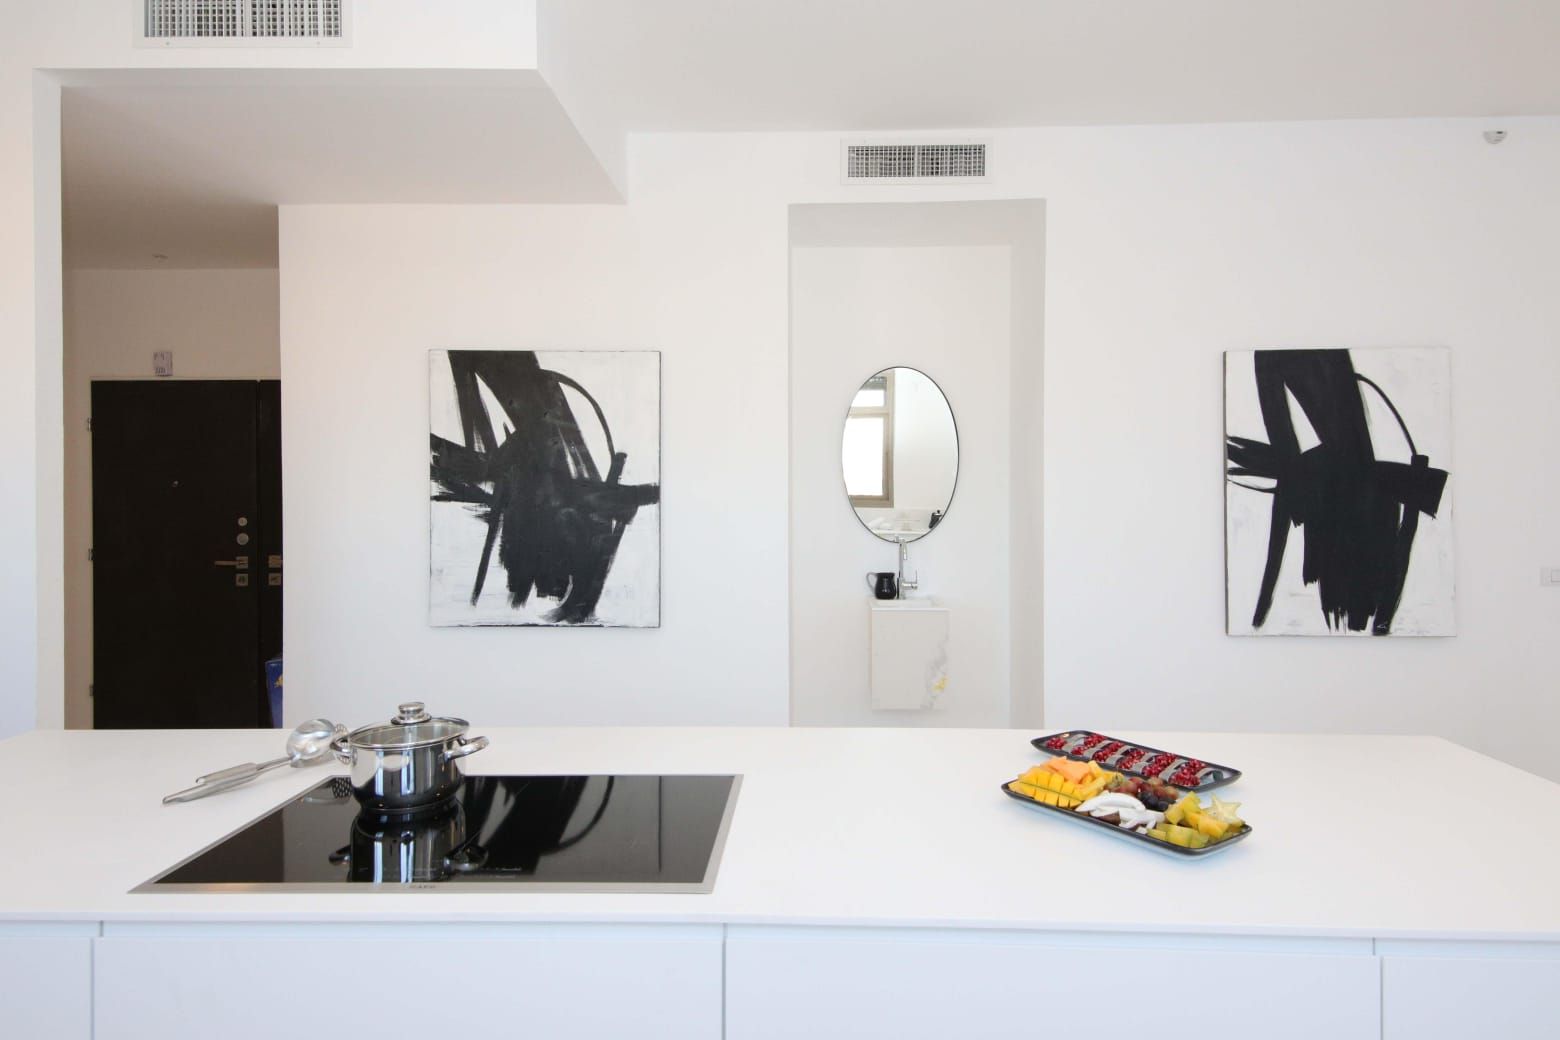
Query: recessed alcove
{"points": [[956, 290]]}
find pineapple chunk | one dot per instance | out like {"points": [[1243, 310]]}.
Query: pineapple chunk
{"points": [[1181, 811]]}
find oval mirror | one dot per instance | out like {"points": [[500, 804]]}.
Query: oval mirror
{"points": [[900, 454]]}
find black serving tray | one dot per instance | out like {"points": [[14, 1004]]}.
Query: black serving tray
{"points": [[1131, 835], [1209, 775]]}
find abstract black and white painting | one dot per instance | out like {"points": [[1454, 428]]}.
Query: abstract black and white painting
{"points": [[1338, 513], [546, 471]]}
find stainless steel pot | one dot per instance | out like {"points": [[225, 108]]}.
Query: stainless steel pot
{"points": [[409, 762]]}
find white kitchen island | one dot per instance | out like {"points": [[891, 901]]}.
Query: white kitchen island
{"points": [[873, 883]]}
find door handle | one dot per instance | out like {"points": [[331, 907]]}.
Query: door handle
{"points": [[242, 563]]}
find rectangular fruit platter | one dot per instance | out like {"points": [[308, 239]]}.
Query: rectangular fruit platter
{"points": [[1136, 808], [1192, 774]]}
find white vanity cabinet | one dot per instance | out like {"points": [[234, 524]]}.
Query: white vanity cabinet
{"points": [[909, 654], [530, 982], [46, 981]]}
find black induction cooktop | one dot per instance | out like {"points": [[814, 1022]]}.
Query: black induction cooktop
{"points": [[537, 833]]}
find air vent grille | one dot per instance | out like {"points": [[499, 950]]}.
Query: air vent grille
{"points": [[961, 161], [299, 20]]}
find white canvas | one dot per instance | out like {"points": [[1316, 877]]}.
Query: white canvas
{"points": [[1417, 383], [563, 506]]}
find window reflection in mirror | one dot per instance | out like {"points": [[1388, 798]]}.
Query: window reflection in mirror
{"points": [[868, 455], [900, 454]]}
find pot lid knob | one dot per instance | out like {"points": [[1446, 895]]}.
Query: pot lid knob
{"points": [[410, 712]]}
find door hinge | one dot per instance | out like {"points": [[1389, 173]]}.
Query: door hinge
{"points": [[91, 690], [89, 424], [89, 555]]}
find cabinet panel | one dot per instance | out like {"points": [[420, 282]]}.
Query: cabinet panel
{"points": [[45, 988], [536, 988], [1428, 998], [973, 989]]}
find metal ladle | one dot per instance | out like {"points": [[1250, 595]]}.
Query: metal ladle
{"points": [[309, 743]]}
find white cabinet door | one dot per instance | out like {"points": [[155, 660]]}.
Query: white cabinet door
{"points": [[566, 983], [45, 987], [963, 985], [1431, 998]]}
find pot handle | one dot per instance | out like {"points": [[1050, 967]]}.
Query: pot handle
{"points": [[465, 746], [340, 747]]}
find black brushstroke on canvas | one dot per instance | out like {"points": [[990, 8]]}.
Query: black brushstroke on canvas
{"points": [[1359, 515], [554, 518]]}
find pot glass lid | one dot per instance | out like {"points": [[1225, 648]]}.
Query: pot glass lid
{"points": [[411, 727]]}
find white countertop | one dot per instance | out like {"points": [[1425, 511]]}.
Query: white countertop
{"points": [[1385, 837]]}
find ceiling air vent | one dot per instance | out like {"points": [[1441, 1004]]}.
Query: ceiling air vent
{"points": [[246, 22], [906, 161]]}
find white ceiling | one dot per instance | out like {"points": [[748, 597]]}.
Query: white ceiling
{"points": [[918, 64], [193, 166]]}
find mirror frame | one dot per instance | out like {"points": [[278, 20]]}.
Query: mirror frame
{"points": [[957, 465]]}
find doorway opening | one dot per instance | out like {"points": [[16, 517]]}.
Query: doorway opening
{"points": [[172, 449]]}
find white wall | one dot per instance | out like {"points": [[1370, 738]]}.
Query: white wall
{"points": [[946, 311], [220, 324], [366, 292], [99, 34], [30, 469], [1164, 247], [1170, 246], [1027, 480]]}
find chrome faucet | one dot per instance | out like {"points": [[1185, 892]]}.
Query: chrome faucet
{"points": [[904, 584]]}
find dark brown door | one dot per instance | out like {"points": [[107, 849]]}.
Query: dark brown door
{"points": [[181, 496]]}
